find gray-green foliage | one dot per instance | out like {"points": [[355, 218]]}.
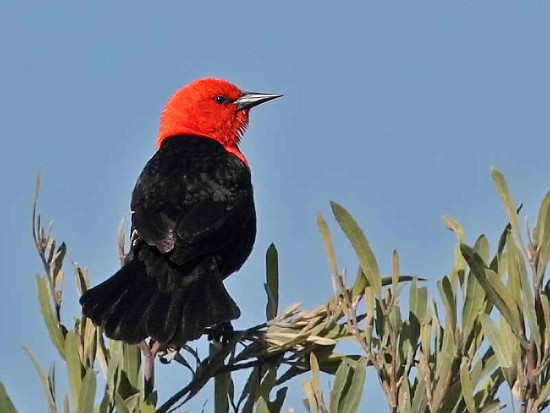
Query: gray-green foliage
{"points": [[487, 328]]}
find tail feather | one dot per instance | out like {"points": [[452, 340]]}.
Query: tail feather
{"points": [[131, 305], [130, 328], [163, 318], [100, 300], [125, 316], [208, 304]]}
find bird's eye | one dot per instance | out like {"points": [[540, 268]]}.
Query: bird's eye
{"points": [[221, 99]]}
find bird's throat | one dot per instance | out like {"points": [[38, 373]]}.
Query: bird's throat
{"points": [[231, 148]]}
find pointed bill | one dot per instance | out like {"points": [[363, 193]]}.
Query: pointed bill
{"points": [[250, 99]]}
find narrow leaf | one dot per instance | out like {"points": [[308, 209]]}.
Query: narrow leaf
{"points": [[132, 361], [473, 304], [506, 197], [327, 241], [260, 406], [54, 330], [74, 367], [496, 340], [543, 235], [340, 381], [352, 400], [221, 389], [467, 387], [148, 405], [447, 295], [361, 246], [454, 225], [50, 398], [272, 282], [87, 392], [495, 290], [6, 405]]}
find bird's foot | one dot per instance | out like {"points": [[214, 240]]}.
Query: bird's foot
{"points": [[222, 332], [168, 354], [149, 351]]}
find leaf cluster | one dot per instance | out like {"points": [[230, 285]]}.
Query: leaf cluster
{"points": [[489, 327]]}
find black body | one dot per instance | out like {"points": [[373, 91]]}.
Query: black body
{"points": [[193, 210]]}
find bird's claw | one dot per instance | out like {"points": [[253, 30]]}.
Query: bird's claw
{"points": [[221, 333]]}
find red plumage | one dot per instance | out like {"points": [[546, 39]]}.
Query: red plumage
{"points": [[193, 210]]}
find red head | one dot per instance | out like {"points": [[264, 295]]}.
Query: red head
{"points": [[210, 107]]}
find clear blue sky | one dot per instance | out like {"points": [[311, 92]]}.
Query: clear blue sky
{"points": [[394, 109]]}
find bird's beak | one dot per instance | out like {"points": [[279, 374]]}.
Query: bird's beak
{"points": [[250, 99]]}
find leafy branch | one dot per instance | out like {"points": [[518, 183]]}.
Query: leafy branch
{"points": [[490, 326]]}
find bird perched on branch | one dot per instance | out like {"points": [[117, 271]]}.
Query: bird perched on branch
{"points": [[193, 211]]}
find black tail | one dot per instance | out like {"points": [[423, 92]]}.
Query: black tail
{"points": [[131, 307]]}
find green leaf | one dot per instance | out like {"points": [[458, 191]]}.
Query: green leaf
{"points": [[272, 282], [497, 341], [312, 388], [87, 392], [543, 236], [446, 292], [455, 226], [148, 405], [419, 399], [361, 246], [493, 287], [521, 288], [340, 381], [546, 314], [260, 406], [81, 278], [310, 402], [57, 262], [268, 383], [473, 304], [506, 197], [444, 366], [250, 390], [113, 367], [513, 264], [315, 373], [404, 397], [481, 246], [120, 405], [352, 400], [74, 367], [54, 329], [418, 302], [131, 366], [50, 397], [51, 380], [221, 389], [493, 407], [457, 274], [511, 343], [467, 387], [327, 241], [132, 402], [6, 405]]}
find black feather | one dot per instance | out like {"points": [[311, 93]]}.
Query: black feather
{"points": [[193, 210]]}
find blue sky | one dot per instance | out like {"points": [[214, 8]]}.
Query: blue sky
{"points": [[395, 109]]}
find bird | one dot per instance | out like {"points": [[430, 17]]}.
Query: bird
{"points": [[194, 221]]}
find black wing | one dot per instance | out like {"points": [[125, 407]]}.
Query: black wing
{"points": [[192, 198]]}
